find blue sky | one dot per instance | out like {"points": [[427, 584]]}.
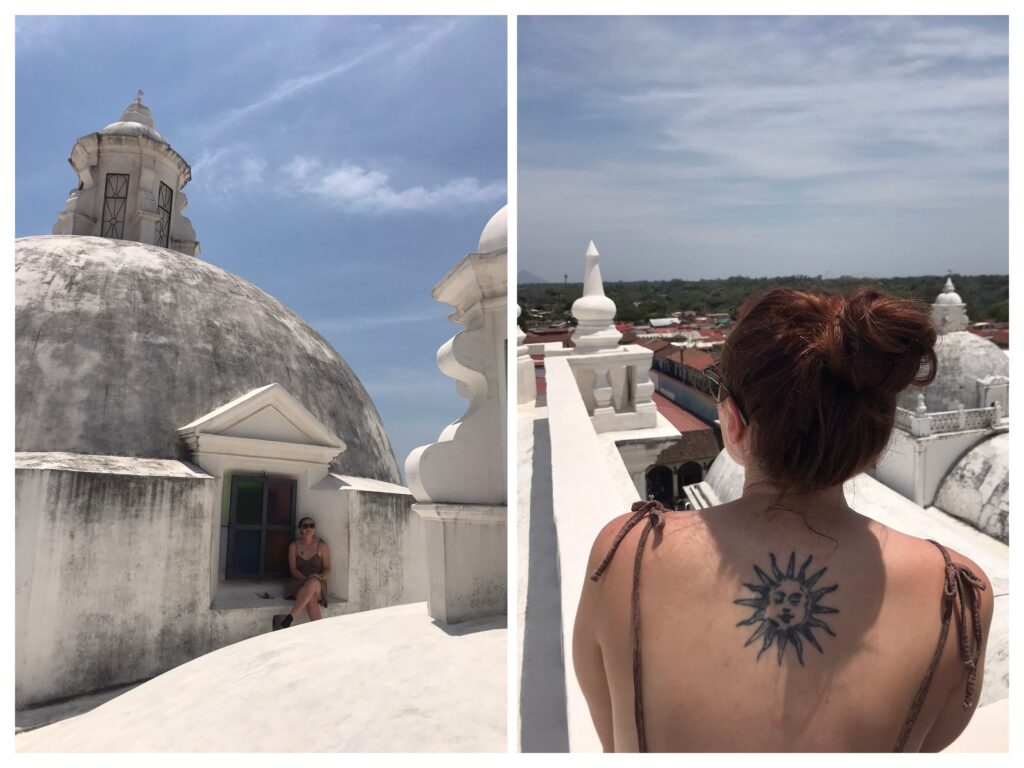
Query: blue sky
{"points": [[343, 165], [702, 147]]}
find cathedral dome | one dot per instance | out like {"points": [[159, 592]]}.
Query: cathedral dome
{"points": [[118, 344], [977, 488], [964, 358]]}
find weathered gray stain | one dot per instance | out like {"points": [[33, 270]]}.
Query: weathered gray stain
{"points": [[117, 344], [115, 543]]}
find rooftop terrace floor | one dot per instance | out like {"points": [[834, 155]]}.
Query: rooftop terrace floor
{"points": [[389, 680]]}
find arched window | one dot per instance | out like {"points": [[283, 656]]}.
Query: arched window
{"points": [[659, 484], [690, 473]]}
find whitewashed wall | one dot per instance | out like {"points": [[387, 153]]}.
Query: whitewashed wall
{"points": [[114, 576]]}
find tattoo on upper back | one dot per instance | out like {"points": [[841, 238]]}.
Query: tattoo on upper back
{"points": [[787, 608]]}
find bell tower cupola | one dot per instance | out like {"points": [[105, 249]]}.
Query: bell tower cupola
{"points": [[129, 185]]}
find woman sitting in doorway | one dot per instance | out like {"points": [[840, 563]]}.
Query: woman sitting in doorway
{"points": [[309, 560]]}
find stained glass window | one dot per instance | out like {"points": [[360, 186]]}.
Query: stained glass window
{"points": [[115, 201], [260, 525]]}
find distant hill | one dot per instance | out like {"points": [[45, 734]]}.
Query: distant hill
{"points": [[525, 277]]}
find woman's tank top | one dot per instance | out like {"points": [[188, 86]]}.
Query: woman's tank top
{"points": [[961, 584]]}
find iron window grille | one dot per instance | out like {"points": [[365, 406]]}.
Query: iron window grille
{"points": [[163, 226], [115, 201], [260, 526]]}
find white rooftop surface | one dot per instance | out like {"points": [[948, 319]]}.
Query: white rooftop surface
{"points": [[388, 680]]}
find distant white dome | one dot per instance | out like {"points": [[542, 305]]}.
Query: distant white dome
{"points": [[494, 236], [963, 358], [977, 488], [949, 294]]}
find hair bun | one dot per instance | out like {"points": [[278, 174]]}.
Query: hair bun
{"points": [[887, 343]]}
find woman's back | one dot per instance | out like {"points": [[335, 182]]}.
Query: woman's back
{"points": [[758, 633]]}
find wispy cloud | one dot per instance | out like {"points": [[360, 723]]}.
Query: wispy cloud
{"points": [[403, 48], [673, 128], [351, 188], [359, 322], [226, 171], [41, 33]]}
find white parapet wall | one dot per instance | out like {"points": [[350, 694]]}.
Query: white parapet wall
{"points": [[590, 485]]}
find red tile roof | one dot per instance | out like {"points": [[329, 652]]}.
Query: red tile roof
{"points": [[697, 359]]}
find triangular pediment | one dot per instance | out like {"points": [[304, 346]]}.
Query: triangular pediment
{"points": [[268, 413]]}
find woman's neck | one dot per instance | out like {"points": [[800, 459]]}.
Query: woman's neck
{"points": [[830, 500]]}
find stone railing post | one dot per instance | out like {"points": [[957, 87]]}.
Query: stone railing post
{"points": [[602, 391], [458, 483], [920, 421]]}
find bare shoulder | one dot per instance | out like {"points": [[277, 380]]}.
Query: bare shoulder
{"points": [[921, 561], [605, 539], [323, 546]]}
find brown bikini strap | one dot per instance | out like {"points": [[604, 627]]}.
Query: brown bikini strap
{"points": [[963, 584], [655, 514]]}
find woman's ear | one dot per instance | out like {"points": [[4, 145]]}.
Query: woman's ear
{"points": [[735, 434]]}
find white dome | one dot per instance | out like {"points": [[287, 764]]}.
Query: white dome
{"points": [[122, 128], [494, 236], [949, 294], [136, 120], [977, 488], [119, 343], [963, 358]]}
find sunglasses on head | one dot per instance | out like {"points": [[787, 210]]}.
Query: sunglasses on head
{"points": [[714, 375], [308, 525]]}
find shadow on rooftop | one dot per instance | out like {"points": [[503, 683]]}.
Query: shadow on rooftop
{"points": [[542, 700]]}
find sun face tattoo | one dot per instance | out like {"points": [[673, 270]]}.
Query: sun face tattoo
{"points": [[787, 608]]}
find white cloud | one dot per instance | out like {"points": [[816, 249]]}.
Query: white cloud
{"points": [[404, 49], [358, 322], [741, 143], [228, 171], [357, 190]]}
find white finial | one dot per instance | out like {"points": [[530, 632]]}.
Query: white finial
{"points": [[921, 407], [594, 311], [138, 96]]}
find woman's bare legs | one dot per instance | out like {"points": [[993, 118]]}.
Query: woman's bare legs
{"points": [[313, 608], [307, 598]]}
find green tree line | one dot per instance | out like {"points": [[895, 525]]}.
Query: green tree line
{"points": [[987, 296]]}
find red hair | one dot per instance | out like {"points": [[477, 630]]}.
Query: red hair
{"points": [[818, 375]]}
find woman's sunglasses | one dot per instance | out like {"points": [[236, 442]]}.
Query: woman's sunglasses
{"points": [[714, 376], [308, 525]]}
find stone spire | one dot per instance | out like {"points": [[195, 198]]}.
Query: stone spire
{"points": [[130, 182], [949, 312], [594, 311]]}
